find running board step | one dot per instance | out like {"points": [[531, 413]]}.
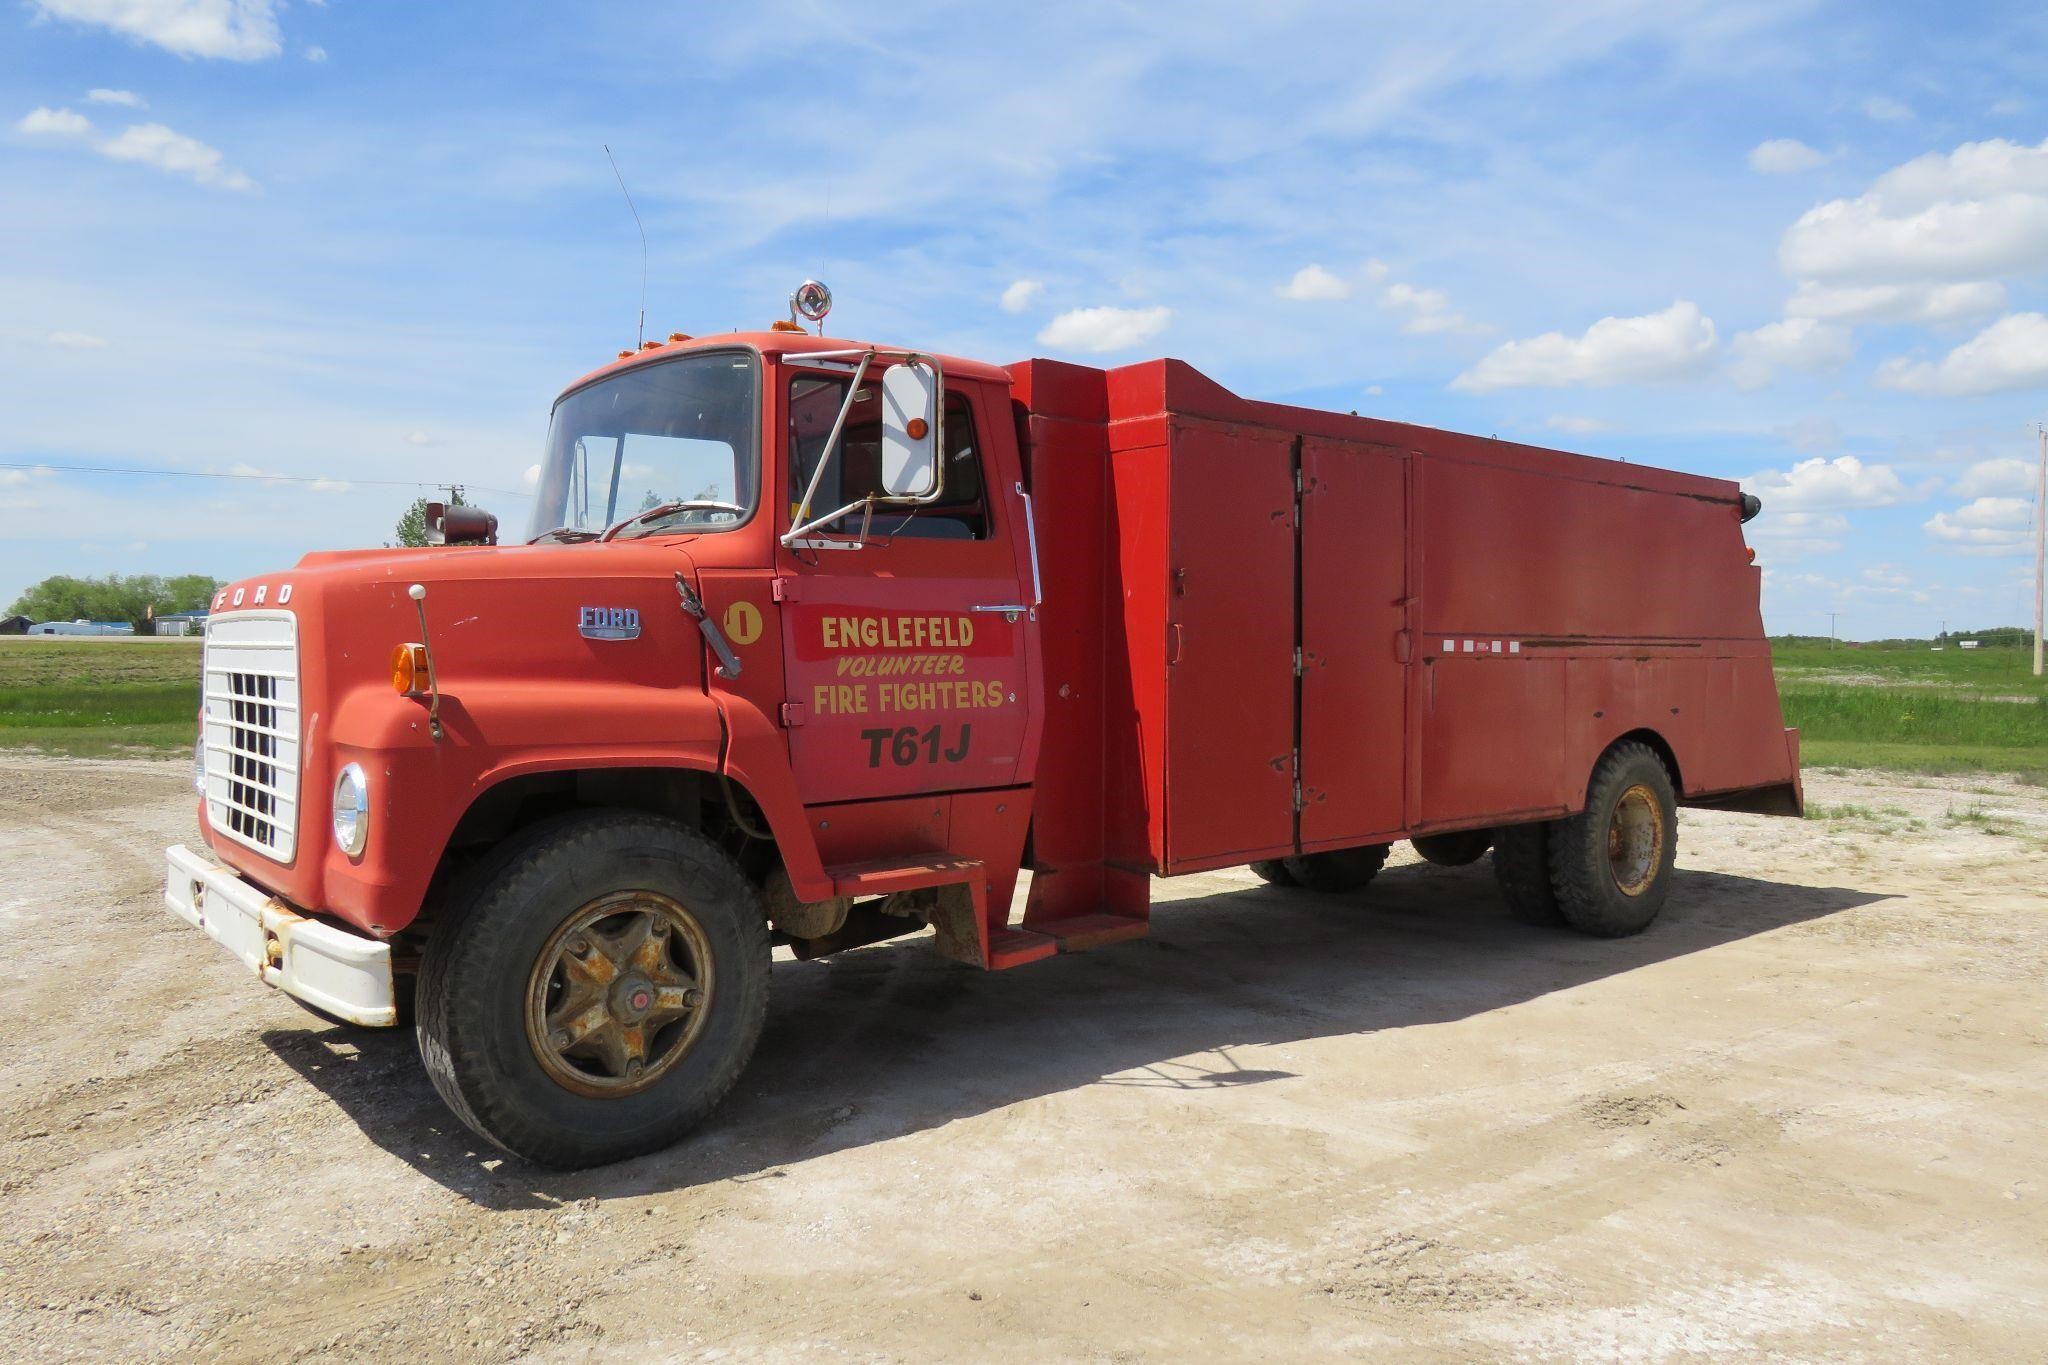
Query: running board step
{"points": [[1013, 947], [886, 876]]}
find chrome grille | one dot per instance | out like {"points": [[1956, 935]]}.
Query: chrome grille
{"points": [[252, 730]]}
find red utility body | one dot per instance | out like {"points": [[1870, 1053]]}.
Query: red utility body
{"points": [[1271, 630]]}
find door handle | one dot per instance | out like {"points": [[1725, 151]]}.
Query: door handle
{"points": [[1009, 611]]}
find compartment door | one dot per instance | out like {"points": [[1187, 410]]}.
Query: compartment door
{"points": [[1354, 594], [1229, 646]]}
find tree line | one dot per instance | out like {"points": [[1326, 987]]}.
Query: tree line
{"points": [[137, 599]]}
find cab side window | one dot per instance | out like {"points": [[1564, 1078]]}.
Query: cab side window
{"points": [[855, 469]]}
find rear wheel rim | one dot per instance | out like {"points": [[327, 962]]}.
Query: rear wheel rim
{"points": [[619, 994], [1635, 840]]}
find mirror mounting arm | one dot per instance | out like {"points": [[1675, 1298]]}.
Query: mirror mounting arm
{"points": [[799, 527]]}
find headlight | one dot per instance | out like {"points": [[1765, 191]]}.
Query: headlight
{"points": [[351, 810]]}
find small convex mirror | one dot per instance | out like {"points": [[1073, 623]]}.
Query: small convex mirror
{"points": [[910, 458]]}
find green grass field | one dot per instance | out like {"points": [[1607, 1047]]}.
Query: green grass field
{"points": [[93, 698], [1913, 710], [1917, 710]]}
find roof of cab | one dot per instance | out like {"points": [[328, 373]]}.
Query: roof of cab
{"points": [[776, 344]]}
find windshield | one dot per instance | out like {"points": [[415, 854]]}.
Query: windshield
{"points": [[680, 431]]}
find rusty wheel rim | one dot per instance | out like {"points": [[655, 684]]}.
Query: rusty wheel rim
{"points": [[619, 994], [1635, 840]]}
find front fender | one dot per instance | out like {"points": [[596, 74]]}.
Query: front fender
{"points": [[493, 731]]}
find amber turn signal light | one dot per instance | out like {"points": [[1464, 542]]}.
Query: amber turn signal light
{"points": [[409, 670]]}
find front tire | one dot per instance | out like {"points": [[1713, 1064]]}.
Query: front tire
{"points": [[1610, 865], [596, 994]]}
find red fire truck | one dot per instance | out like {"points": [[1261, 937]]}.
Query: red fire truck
{"points": [[815, 643]]}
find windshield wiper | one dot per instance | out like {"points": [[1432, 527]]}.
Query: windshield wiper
{"points": [[663, 509], [568, 535]]}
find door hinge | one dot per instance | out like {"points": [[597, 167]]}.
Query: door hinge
{"points": [[1298, 669], [792, 714], [783, 590], [1299, 802]]}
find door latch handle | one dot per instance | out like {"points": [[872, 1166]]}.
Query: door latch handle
{"points": [[1009, 611]]}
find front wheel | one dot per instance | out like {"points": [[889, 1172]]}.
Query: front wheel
{"points": [[1610, 865], [598, 993]]}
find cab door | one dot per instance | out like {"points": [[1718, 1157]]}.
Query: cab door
{"points": [[909, 644]]}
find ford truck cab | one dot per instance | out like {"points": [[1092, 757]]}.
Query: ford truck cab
{"points": [[769, 649]]}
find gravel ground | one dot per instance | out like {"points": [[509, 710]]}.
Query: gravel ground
{"points": [[1801, 1115]]}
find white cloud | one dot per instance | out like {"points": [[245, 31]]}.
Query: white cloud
{"points": [[1801, 344], [1788, 535], [1575, 426], [419, 438], [1820, 485], [2012, 353], [238, 30], [1428, 310], [44, 122], [126, 98], [152, 144], [1312, 283], [1374, 390], [1105, 329], [315, 53], [1809, 433], [1988, 478], [1979, 211], [1783, 156], [77, 341], [1885, 109], [1020, 295], [1987, 526], [1672, 344], [1896, 302]]}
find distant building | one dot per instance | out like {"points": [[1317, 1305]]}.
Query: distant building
{"points": [[14, 625], [181, 623], [1966, 644], [81, 628]]}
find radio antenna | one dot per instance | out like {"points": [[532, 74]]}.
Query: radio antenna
{"points": [[641, 339]]}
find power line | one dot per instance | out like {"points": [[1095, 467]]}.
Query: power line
{"points": [[254, 478]]}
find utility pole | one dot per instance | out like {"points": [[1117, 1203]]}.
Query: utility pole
{"points": [[1831, 628], [2040, 542]]}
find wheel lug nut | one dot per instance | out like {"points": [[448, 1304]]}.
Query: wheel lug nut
{"points": [[633, 1068], [559, 1039], [693, 997], [579, 946]]}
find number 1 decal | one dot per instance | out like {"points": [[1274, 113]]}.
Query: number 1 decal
{"points": [[910, 745]]}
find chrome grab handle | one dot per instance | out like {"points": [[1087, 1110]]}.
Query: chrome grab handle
{"points": [[1010, 610]]}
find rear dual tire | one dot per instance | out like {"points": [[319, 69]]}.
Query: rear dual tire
{"points": [[1607, 870], [1336, 871]]}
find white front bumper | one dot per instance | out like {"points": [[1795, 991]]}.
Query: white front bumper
{"points": [[346, 974]]}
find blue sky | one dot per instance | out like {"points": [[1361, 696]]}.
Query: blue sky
{"points": [[1804, 245]]}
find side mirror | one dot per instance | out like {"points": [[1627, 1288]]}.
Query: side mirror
{"points": [[460, 525], [910, 437]]}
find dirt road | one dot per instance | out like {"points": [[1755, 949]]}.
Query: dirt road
{"points": [[1803, 1114]]}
